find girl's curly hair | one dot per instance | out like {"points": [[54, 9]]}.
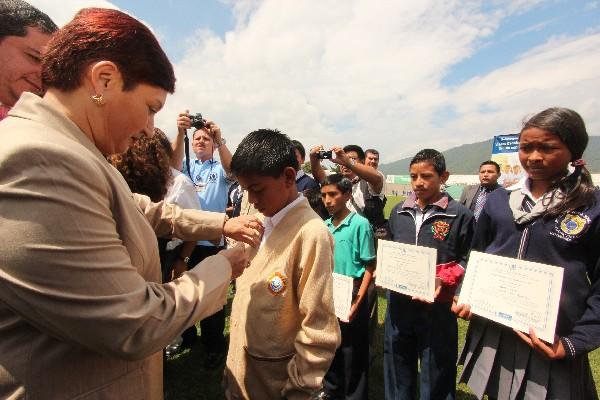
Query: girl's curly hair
{"points": [[145, 165]]}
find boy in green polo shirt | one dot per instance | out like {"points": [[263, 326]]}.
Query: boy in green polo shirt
{"points": [[354, 256]]}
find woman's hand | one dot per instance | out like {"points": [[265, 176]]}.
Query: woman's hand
{"points": [[245, 228], [179, 267], [238, 258], [461, 310], [554, 352]]}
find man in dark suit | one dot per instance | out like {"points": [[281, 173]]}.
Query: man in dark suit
{"points": [[474, 196], [303, 181]]}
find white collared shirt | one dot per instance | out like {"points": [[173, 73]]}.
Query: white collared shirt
{"points": [[524, 185], [271, 222]]}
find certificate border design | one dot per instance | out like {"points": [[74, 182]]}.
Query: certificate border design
{"points": [[421, 250], [474, 268]]}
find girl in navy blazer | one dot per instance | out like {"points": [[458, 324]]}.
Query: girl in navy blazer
{"points": [[553, 217]]}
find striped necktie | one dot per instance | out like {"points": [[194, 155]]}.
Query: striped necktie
{"points": [[481, 197]]}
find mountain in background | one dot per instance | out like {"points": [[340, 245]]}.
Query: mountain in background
{"points": [[465, 159]]}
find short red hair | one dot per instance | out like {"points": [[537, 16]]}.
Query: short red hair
{"points": [[100, 34]]}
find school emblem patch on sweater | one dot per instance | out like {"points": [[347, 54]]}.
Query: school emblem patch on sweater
{"points": [[440, 230], [277, 284], [571, 226]]}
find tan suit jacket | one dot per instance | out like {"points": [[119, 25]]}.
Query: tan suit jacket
{"points": [[283, 337], [82, 312]]}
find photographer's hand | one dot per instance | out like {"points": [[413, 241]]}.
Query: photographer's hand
{"points": [[315, 164], [215, 132], [314, 151], [341, 157], [183, 122]]}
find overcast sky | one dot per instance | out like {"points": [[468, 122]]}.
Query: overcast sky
{"points": [[396, 75]]}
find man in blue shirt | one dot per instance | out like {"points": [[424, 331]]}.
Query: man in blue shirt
{"points": [[210, 178]]}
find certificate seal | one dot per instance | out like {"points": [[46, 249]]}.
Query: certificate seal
{"points": [[277, 284], [440, 230]]}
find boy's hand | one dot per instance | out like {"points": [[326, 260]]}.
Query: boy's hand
{"points": [[461, 310], [353, 309], [436, 293], [245, 228]]}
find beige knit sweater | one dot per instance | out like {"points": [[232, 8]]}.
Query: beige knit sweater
{"points": [[284, 332]]}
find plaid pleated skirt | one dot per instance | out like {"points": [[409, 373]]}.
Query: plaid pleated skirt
{"points": [[500, 364]]}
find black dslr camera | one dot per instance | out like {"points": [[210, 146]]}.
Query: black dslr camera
{"points": [[324, 155], [197, 121]]}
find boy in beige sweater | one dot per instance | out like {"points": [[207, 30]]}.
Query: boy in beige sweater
{"points": [[283, 329]]}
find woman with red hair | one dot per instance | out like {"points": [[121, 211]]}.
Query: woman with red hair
{"points": [[82, 311]]}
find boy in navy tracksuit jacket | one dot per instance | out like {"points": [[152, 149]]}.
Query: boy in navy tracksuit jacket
{"points": [[415, 329]]}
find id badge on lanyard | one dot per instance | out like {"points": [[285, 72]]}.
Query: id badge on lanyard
{"points": [[200, 186]]}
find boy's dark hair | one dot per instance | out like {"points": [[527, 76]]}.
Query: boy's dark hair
{"points": [[569, 127], [343, 184], [431, 156], [359, 151], [490, 162], [16, 16], [298, 146], [264, 152], [316, 202]]}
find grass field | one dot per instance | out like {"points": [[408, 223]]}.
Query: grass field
{"points": [[185, 377]]}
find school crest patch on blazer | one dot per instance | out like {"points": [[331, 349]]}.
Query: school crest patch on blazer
{"points": [[277, 284], [571, 226], [440, 230]]}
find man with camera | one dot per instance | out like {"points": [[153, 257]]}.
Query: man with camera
{"points": [[210, 178], [367, 181]]}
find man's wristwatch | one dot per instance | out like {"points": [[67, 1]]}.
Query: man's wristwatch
{"points": [[220, 142], [185, 259]]}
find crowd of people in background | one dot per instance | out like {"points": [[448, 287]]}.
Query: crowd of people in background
{"points": [[117, 241]]}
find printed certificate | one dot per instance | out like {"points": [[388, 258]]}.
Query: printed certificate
{"points": [[406, 268], [342, 295], [516, 293]]}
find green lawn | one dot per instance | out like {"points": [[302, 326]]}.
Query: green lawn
{"points": [[185, 377]]}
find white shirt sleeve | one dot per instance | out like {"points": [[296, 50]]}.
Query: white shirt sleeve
{"points": [[182, 192]]}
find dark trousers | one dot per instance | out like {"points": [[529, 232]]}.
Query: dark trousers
{"points": [[414, 332], [348, 375], [211, 328], [373, 317], [167, 258]]}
